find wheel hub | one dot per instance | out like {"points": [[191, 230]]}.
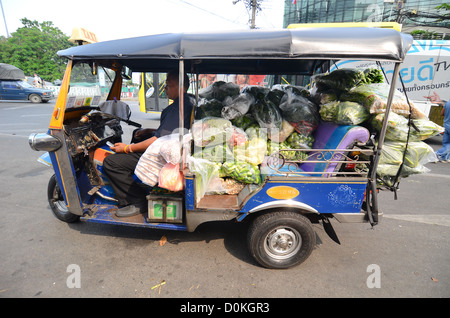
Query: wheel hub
{"points": [[282, 243]]}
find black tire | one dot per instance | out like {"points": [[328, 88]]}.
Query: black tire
{"points": [[57, 203], [281, 239], [34, 98]]}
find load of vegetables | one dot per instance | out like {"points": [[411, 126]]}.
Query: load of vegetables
{"points": [[235, 130], [366, 95]]}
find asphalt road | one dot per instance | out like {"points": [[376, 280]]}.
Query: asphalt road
{"points": [[406, 255]]}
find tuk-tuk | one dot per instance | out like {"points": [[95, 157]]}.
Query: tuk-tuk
{"points": [[291, 193]]}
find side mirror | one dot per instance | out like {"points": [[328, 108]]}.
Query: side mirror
{"points": [[126, 73], [149, 92]]}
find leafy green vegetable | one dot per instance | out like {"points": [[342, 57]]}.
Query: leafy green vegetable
{"points": [[267, 114], [373, 75], [344, 113], [300, 141], [258, 92], [342, 79], [208, 108], [242, 171]]}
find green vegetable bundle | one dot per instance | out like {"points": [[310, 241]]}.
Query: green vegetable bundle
{"points": [[342, 79], [397, 128], [244, 121], [208, 108], [267, 114], [242, 171], [344, 113], [217, 153], [300, 141], [210, 131], [417, 155], [258, 92], [373, 75], [287, 152], [374, 98]]}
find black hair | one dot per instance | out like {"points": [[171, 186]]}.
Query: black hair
{"points": [[175, 75]]}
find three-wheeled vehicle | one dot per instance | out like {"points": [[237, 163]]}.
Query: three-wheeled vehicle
{"points": [[291, 193]]}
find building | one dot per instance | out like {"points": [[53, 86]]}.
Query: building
{"points": [[412, 14]]}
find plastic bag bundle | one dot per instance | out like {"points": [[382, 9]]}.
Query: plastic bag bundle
{"points": [[244, 121], [299, 141], [397, 128], [344, 113], [286, 130], [171, 178], [219, 90], [205, 173], [208, 108], [242, 171], [374, 98], [325, 96], [300, 112], [285, 150], [171, 151], [210, 131], [417, 155], [217, 153], [342, 79], [267, 115], [252, 152], [236, 137], [258, 92], [237, 106], [278, 91], [296, 108]]}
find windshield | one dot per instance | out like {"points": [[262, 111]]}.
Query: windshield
{"points": [[26, 85], [88, 89]]}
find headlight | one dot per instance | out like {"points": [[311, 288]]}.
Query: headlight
{"points": [[44, 142]]}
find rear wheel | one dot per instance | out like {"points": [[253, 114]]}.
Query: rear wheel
{"points": [[281, 239], [57, 203], [34, 98]]}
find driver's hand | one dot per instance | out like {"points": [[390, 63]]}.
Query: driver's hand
{"points": [[118, 147]]}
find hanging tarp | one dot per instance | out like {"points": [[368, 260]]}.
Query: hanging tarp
{"points": [[10, 72]]}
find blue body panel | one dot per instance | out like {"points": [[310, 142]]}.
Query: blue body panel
{"points": [[322, 195]]}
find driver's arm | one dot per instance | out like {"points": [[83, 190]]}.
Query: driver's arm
{"points": [[137, 147]]}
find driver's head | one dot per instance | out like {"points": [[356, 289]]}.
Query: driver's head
{"points": [[172, 84]]}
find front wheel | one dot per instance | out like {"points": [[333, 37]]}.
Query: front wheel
{"points": [[34, 98], [281, 239], [57, 203]]}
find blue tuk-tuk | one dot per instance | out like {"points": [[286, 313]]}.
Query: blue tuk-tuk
{"points": [[335, 179]]}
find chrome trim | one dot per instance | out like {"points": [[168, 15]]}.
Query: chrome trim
{"points": [[284, 204]]}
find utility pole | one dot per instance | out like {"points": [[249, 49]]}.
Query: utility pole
{"points": [[253, 23], [4, 19], [254, 6]]}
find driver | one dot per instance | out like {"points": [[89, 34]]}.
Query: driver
{"points": [[119, 167]]}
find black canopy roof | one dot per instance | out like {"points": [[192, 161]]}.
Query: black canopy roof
{"points": [[286, 51]]}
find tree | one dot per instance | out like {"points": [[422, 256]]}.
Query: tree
{"points": [[33, 48]]}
